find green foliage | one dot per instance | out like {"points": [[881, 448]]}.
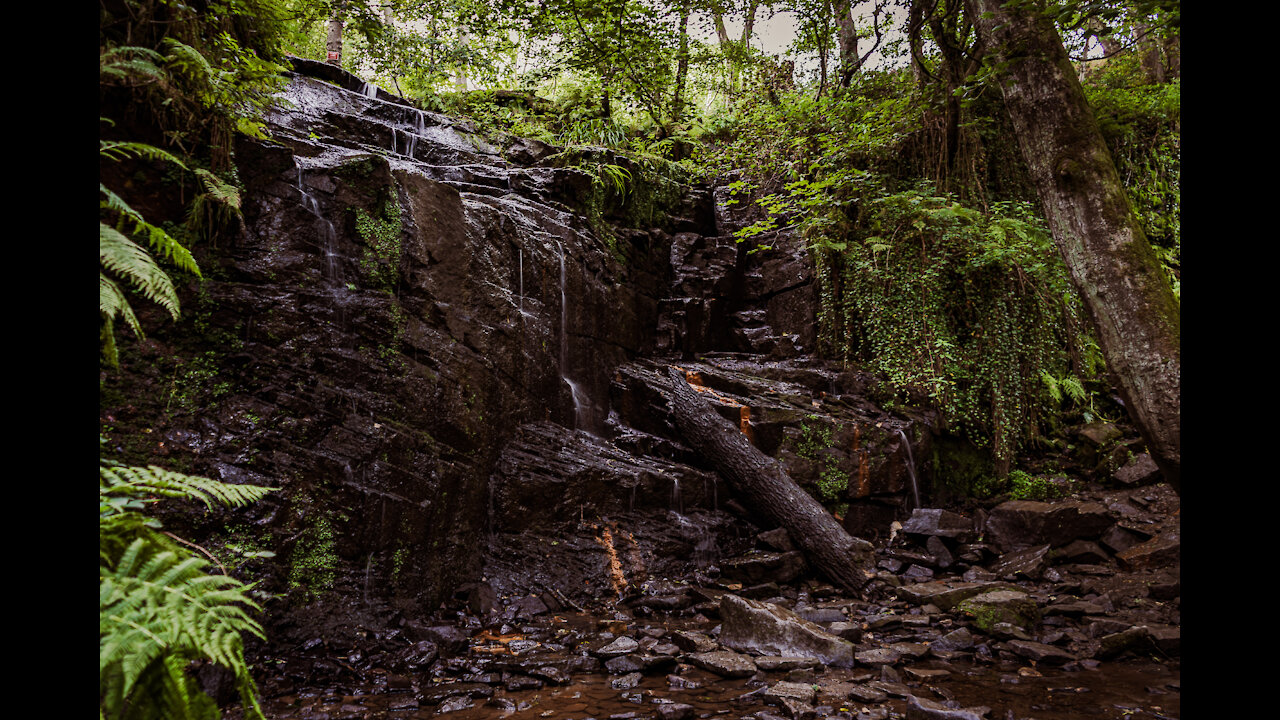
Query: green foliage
{"points": [[1024, 486], [123, 259], [185, 80], [189, 79], [314, 562], [973, 309], [1021, 485], [1141, 124], [815, 439], [380, 261], [159, 608], [965, 303]]}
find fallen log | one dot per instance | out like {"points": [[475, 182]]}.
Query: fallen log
{"points": [[769, 491]]}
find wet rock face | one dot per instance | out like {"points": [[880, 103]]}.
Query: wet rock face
{"points": [[550, 476], [401, 300], [437, 357]]}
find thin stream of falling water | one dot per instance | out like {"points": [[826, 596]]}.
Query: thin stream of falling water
{"points": [[911, 469], [578, 397], [419, 128], [329, 234]]}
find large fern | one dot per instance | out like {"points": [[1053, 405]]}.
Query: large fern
{"points": [[159, 607], [121, 258]]}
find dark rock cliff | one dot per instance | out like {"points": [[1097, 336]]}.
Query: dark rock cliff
{"points": [[432, 344]]}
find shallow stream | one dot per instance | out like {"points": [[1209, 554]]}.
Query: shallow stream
{"points": [[1146, 688]]}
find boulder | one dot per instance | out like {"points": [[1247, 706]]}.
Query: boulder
{"points": [[762, 567], [767, 629], [1157, 552], [1140, 470], [1030, 563], [946, 594], [1019, 524], [936, 522], [1001, 606], [1039, 652], [924, 709]]}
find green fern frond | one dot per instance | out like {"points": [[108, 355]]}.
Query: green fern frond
{"points": [[160, 241], [159, 608], [1074, 389], [130, 62], [219, 190], [158, 611], [118, 150], [190, 62], [127, 481], [130, 261], [112, 303], [1052, 385]]}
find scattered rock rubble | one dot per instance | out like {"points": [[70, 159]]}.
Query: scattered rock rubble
{"points": [[1032, 589]]}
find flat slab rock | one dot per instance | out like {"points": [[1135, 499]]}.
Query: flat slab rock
{"points": [[724, 663], [1018, 524], [946, 594], [802, 692], [767, 629]]}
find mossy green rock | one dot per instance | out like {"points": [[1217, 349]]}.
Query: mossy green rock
{"points": [[1001, 606]]}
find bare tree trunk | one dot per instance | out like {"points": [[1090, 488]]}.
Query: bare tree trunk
{"points": [[333, 43], [749, 23], [1133, 308], [847, 36], [822, 61], [682, 66], [765, 486], [726, 46], [460, 76]]}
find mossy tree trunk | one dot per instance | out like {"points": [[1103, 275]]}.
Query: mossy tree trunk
{"points": [[1130, 301]]}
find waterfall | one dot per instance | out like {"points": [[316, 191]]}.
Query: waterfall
{"points": [[677, 503], [911, 469], [369, 90], [579, 398], [419, 127], [328, 234]]}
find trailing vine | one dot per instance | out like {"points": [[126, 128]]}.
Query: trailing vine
{"points": [[971, 309]]}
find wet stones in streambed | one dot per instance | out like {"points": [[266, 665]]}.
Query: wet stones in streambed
{"points": [[946, 594], [675, 711], [691, 641]]}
